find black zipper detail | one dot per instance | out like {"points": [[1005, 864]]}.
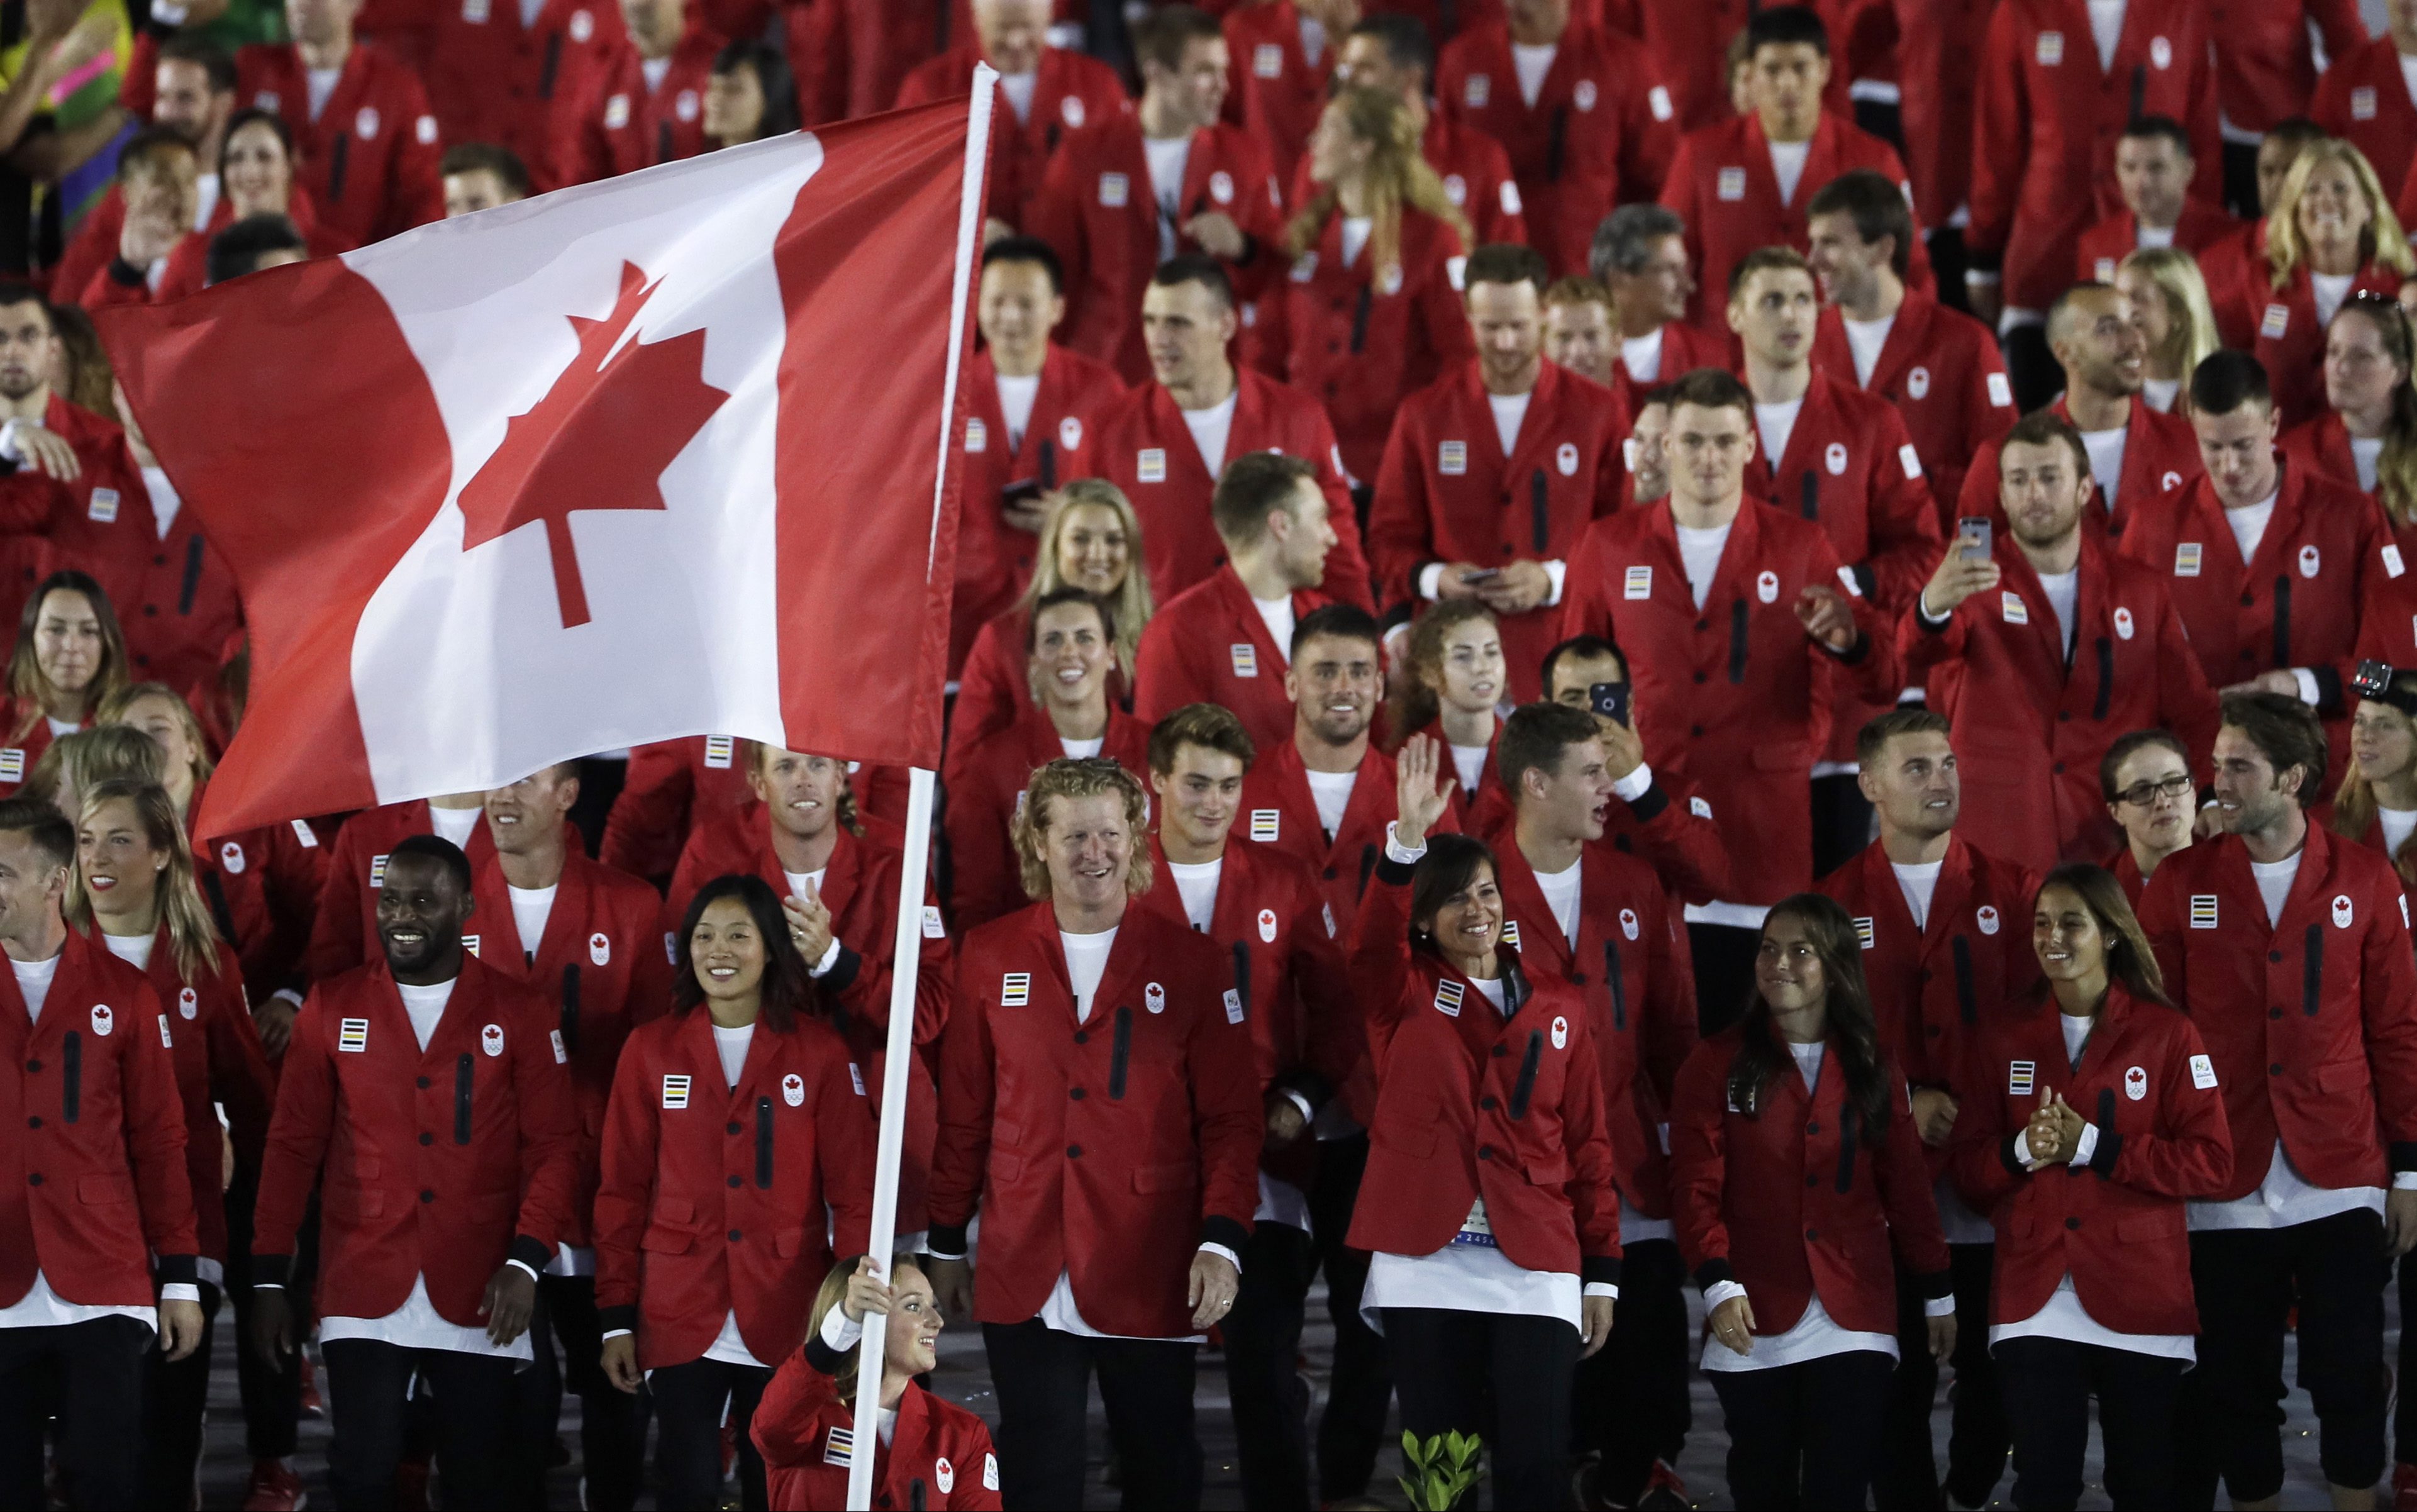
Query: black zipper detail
{"points": [[464, 1077], [1618, 983], [1809, 498], [1523, 1091], [2139, 93], [192, 575], [763, 1144], [216, 891], [1847, 1150], [1049, 138], [1557, 148], [2312, 971], [941, 35], [2282, 621], [71, 1077], [1047, 476], [1242, 976], [1367, 866], [1120, 1054], [662, 140], [571, 1009], [2105, 679], [338, 159], [1965, 1008], [2106, 1119], [552, 66], [1360, 318], [1540, 509], [1737, 643]]}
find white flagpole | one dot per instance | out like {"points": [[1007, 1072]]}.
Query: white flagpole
{"points": [[908, 947]]}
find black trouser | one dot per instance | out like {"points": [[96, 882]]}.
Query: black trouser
{"points": [[369, 1385], [612, 1432], [689, 1402], [1632, 1397], [1948, 261], [2404, 1417], [2048, 1384], [1043, 1379], [2247, 1281], [93, 1373], [1806, 1434], [271, 1393], [1263, 1368], [1360, 1393], [1842, 821], [2030, 367], [174, 1394], [1977, 1440], [1502, 1376], [1724, 973]]}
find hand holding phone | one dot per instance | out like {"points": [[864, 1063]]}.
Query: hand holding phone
{"points": [[1973, 535], [1610, 699]]}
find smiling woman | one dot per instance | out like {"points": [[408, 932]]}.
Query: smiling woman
{"points": [[69, 655]]}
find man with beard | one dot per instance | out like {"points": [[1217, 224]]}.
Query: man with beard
{"points": [[1640, 258]]}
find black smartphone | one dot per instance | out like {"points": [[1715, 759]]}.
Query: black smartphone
{"points": [[1021, 493], [1482, 574], [1610, 699], [1972, 538]]}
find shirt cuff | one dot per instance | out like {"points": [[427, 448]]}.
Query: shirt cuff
{"points": [[289, 995], [2088, 1145], [1938, 1307], [1636, 784], [1430, 577], [615, 1333], [2404, 1180], [1559, 572], [830, 958], [1602, 1289], [1922, 611], [1223, 1254], [2310, 693], [2023, 1145], [1306, 1112], [1973, 276], [1721, 1292], [841, 1331], [10, 451], [181, 1292], [1397, 855], [167, 14]]}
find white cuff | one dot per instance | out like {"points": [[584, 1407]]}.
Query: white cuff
{"points": [[10, 451], [1939, 1306], [525, 1268], [1934, 621], [2308, 681], [1602, 1289], [1223, 1254], [1720, 1291], [167, 14], [2023, 1144], [615, 1333], [1306, 1112], [1636, 784], [181, 1292], [2088, 1145], [1973, 276], [830, 958], [2404, 1180], [840, 1330], [1399, 856], [1557, 571], [289, 995], [268, 1286], [936, 1253], [1430, 577]]}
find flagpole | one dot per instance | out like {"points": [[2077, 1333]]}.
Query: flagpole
{"points": [[908, 948]]}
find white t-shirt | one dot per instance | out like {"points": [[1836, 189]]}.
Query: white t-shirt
{"points": [[1167, 158], [425, 1006], [454, 824], [1312, 41], [205, 204], [1196, 882], [2063, 590], [1865, 338], [61, 728], [2160, 393], [2366, 454], [1082, 750], [2148, 236], [2274, 878], [2249, 523], [1210, 428], [1015, 399], [1776, 423], [1019, 89], [1561, 890], [33, 980], [1277, 616], [2398, 824], [1510, 413], [731, 1045], [531, 908], [1086, 961], [1787, 167], [2331, 289], [320, 82], [1919, 884], [1469, 762], [1532, 64], [2107, 29], [1332, 792], [1642, 356], [164, 500], [2105, 449], [1356, 229], [134, 950], [655, 70], [1699, 552], [2408, 76]]}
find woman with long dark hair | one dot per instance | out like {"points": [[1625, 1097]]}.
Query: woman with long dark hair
{"points": [[69, 656], [1456, 686], [1487, 1207], [736, 1123], [2100, 1076], [2366, 435], [1799, 1276]]}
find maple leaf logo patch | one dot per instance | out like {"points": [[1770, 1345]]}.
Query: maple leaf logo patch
{"points": [[598, 439]]}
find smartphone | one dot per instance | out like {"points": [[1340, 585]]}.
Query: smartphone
{"points": [[1972, 538], [1021, 493], [1482, 574], [1610, 699]]}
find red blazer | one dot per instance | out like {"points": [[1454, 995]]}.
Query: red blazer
{"points": [[2362, 98], [2320, 444], [189, 260], [2029, 726], [1360, 339], [994, 559], [1107, 1150], [1141, 444], [1804, 1198], [1209, 645], [617, 125], [2329, 995], [1275, 93], [2389, 629], [1070, 91], [1736, 694], [1484, 807], [1933, 989], [1940, 371], [938, 1454], [601, 967], [1685, 348], [98, 1183], [1471, 1103], [263, 886], [343, 931], [1937, 54], [1687, 43], [1722, 184], [1477, 177], [986, 781], [2106, 243], [1446, 492], [1279, 810], [1632, 967], [2265, 70], [79, 518], [105, 282], [1600, 133], [991, 692], [2295, 603], [860, 887], [672, 789], [1095, 207], [2160, 455], [714, 1204], [2127, 874], [1851, 465], [370, 159], [18, 758], [218, 1059], [489, 79], [2117, 1224], [2046, 119], [440, 1163], [2290, 343]]}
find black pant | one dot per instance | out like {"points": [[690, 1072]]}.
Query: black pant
{"points": [[1804, 1435], [174, 1394], [689, 1402], [2031, 366], [1631, 1402], [1502, 1376], [1842, 821], [1947, 260], [2048, 1384], [1908, 1475], [1043, 1380], [1360, 1393], [2404, 1418], [2248, 1280], [271, 1393], [369, 1385], [1723, 974], [93, 1373], [612, 1432], [1263, 1368]]}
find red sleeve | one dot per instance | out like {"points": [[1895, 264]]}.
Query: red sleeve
{"points": [[788, 1423], [1901, 1170], [417, 195], [580, 155], [1671, 1025], [1258, 209], [968, 1091], [624, 1194], [1399, 540], [1979, 1157], [239, 1076], [2388, 1006], [1878, 668], [1649, 132], [2000, 135], [2191, 1153], [2186, 704], [1380, 954], [1679, 193], [551, 1140], [1334, 1044], [2207, 183], [297, 1133], [2342, 29], [155, 1133], [650, 817], [1921, 647], [1055, 214], [1227, 1121], [867, 992], [845, 1141], [1160, 684], [1442, 314], [296, 875], [976, 1488], [2160, 922], [95, 243], [137, 83], [1585, 608], [985, 878], [1904, 517], [1699, 1162], [1594, 1202], [1346, 565], [336, 945]]}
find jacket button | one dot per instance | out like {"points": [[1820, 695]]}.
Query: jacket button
{"points": [[1076, 1093], [35, 1180], [1931, 1031], [34, 1066], [731, 1128], [423, 1084], [2247, 600], [1812, 1236], [731, 1181], [1485, 1151], [1697, 731], [151, 610], [1073, 1151], [159, 561], [1925, 973], [1329, 874], [1082, 1036], [34, 1123], [2060, 769], [2072, 1223], [1811, 1181], [1700, 678], [2273, 1013], [426, 1195], [1487, 1103], [1702, 624], [1507, 548], [1813, 1128], [428, 1138], [2275, 1069], [2273, 957], [2064, 716], [1501, 1050], [1577, 979], [734, 1236]]}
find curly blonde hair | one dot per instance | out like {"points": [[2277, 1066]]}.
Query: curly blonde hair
{"points": [[1078, 778], [1397, 175], [2383, 242], [1131, 602], [2191, 316]]}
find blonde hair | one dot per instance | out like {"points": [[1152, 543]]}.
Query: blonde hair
{"points": [[1414, 705], [2395, 469], [1078, 778], [1397, 175], [2383, 242], [113, 710], [2188, 309], [28, 684], [831, 1294], [2354, 805], [87, 758], [190, 932], [748, 756], [1131, 603]]}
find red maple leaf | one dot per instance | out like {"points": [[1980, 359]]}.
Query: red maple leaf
{"points": [[600, 439]]}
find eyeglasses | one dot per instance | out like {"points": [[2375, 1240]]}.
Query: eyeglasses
{"points": [[2142, 794]]}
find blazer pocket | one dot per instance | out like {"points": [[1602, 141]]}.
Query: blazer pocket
{"points": [[1782, 758], [492, 1206], [1174, 1176], [675, 1210], [2143, 1227], [2021, 1224], [103, 1187], [359, 1201], [1005, 1167], [2343, 1076], [367, 1167], [1005, 1131], [1547, 1170], [788, 1242], [663, 1239]]}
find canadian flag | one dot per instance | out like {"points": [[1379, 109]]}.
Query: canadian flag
{"points": [[663, 455]]}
